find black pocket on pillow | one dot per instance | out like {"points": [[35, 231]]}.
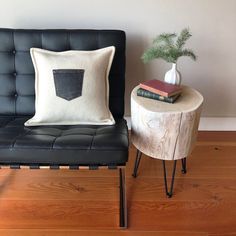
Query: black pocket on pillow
{"points": [[68, 83]]}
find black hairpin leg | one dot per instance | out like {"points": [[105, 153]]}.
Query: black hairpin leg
{"points": [[184, 163], [123, 203], [137, 161], [169, 193]]}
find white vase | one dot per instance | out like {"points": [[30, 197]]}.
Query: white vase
{"points": [[173, 76]]}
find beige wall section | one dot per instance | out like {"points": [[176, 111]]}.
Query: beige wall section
{"points": [[212, 23]]}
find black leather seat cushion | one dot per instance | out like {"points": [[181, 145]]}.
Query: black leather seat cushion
{"points": [[62, 145]]}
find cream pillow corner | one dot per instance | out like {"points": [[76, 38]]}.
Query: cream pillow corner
{"points": [[72, 87]]}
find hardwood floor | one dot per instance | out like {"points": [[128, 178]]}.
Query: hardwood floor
{"points": [[68, 203]]}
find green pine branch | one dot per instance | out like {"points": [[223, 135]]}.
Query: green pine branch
{"points": [[183, 38], [167, 39], [189, 53], [168, 48]]}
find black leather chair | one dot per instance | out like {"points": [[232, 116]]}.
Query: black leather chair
{"points": [[59, 146]]}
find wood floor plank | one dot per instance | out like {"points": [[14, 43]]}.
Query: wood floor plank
{"points": [[44, 173], [40, 232], [213, 156], [152, 189], [193, 171], [58, 214], [74, 188], [215, 216], [230, 234], [217, 136], [152, 168], [198, 164]]}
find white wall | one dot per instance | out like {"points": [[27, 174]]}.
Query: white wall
{"points": [[212, 23]]}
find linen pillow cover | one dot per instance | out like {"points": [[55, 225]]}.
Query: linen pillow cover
{"points": [[71, 87]]}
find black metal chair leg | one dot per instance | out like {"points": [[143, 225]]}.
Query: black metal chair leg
{"points": [[123, 203], [137, 161], [169, 193], [184, 165]]}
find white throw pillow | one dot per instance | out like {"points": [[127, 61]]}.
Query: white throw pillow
{"points": [[72, 87]]}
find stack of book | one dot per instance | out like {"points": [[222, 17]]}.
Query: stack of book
{"points": [[159, 90]]}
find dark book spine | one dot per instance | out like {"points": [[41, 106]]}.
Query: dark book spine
{"points": [[147, 94]]}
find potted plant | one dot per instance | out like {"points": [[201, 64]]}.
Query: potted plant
{"points": [[170, 47]]}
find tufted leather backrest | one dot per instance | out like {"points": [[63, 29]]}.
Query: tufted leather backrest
{"points": [[17, 72]]}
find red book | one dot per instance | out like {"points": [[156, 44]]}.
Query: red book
{"points": [[160, 87]]}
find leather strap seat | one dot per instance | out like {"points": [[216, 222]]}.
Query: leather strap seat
{"points": [[62, 145]]}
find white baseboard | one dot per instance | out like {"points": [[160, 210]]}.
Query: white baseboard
{"points": [[211, 123]]}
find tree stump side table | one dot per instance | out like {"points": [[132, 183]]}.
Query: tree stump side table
{"points": [[165, 131]]}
